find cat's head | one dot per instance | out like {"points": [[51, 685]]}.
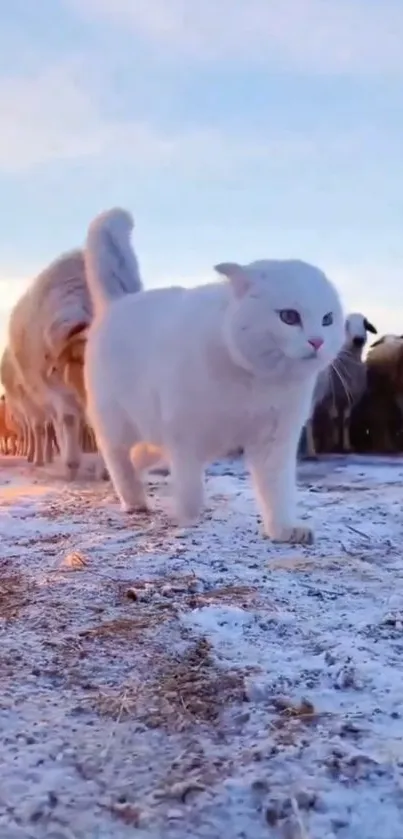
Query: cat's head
{"points": [[283, 315]]}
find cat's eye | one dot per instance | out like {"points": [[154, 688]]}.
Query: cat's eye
{"points": [[327, 320], [290, 316]]}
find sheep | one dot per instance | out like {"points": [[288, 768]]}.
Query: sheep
{"points": [[377, 420], [19, 405], [339, 387], [55, 308], [386, 339], [69, 364], [8, 433]]}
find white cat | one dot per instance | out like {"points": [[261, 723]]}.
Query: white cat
{"points": [[193, 373]]}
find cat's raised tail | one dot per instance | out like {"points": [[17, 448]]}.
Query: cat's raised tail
{"points": [[111, 265]]}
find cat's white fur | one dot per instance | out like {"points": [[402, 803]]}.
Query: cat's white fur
{"points": [[194, 373]]}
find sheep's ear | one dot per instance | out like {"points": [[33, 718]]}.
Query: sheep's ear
{"points": [[369, 328], [237, 276], [376, 343], [77, 329]]}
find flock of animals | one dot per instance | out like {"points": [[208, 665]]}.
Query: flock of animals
{"points": [[357, 405], [43, 405]]}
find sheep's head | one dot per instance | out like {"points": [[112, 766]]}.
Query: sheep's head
{"points": [[387, 339], [357, 327], [385, 359]]}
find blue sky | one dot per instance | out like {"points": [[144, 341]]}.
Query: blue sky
{"points": [[232, 129]]}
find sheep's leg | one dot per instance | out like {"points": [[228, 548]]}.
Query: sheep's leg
{"points": [[306, 445], [49, 443], [24, 439], [385, 433], [94, 445], [310, 441], [71, 437], [67, 426], [88, 442], [334, 437], [387, 445], [39, 433], [346, 416], [31, 444], [56, 443], [92, 441]]}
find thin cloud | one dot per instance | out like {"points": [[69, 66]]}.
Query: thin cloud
{"points": [[52, 116], [55, 116], [340, 37]]}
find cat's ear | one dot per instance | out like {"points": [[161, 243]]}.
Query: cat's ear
{"points": [[237, 276]]}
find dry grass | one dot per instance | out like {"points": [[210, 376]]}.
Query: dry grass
{"points": [[181, 692], [183, 590], [243, 596], [125, 628], [16, 591], [291, 718]]}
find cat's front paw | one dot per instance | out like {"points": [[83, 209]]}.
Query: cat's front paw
{"points": [[297, 535]]}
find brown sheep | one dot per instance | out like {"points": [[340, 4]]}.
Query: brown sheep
{"points": [[377, 420]]}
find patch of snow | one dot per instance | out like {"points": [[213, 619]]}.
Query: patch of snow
{"points": [[120, 701]]}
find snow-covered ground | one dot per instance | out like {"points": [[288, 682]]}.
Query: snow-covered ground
{"points": [[155, 683]]}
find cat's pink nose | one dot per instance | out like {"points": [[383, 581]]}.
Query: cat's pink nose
{"points": [[316, 343]]}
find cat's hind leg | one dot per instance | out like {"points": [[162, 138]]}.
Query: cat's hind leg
{"points": [[187, 475], [115, 438], [126, 481]]}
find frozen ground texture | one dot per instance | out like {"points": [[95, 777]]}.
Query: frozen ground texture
{"points": [[208, 684]]}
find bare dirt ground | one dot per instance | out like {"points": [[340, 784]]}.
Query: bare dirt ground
{"points": [[155, 683]]}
